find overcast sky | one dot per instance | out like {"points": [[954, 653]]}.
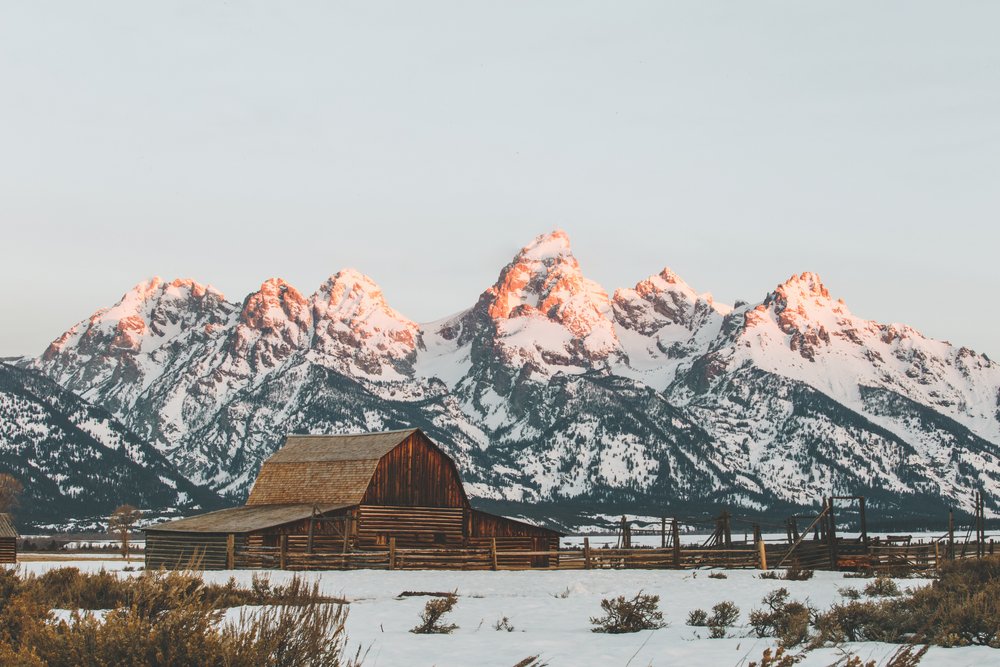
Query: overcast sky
{"points": [[423, 143]]}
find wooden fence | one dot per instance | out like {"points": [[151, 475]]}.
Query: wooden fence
{"points": [[813, 555]]}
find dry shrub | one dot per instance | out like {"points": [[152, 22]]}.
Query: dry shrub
{"points": [[882, 587], [532, 661], [503, 625], [623, 615], [431, 617], [697, 618], [781, 618], [169, 620], [791, 574], [961, 608], [849, 592], [718, 575], [777, 658]]}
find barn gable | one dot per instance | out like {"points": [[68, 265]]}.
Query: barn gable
{"points": [[394, 467]]}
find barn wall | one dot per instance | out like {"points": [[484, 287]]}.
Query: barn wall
{"points": [[175, 551], [412, 527], [8, 550], [491, 525], [415, 473]]}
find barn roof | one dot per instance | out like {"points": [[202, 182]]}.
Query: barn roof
{"points": [[7, 526], [356, 447], [324, 468], [244, 519]]}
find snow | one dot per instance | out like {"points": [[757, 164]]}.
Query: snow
{"points": [[550, 612]]}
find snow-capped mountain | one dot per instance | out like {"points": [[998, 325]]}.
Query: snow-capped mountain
{"points": [[548, 389], [75, 460]]}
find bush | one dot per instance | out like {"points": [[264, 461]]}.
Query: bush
{"points": [[882, 587], [791, 574], [962, 608], [697, 618], [623, 615], [784, 619], [849, 592], [723, 615], [717, 575], [431, 617], [777, 658], [165, 619]]}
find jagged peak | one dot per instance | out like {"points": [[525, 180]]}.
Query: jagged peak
{"points": [[352, 280], [350, 294], [806, 283], [276, 300], [553, 245]]}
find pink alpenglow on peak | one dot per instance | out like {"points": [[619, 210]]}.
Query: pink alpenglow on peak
{"points": [[553, 245], [545, 312], [354, 323]]}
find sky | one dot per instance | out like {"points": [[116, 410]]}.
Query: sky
{"points": [[424, 143]]}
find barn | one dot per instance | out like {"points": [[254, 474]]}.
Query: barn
{"points": [[371, 499], [8, 540]]}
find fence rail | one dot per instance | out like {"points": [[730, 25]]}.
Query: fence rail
{"points": [[882, 557]]}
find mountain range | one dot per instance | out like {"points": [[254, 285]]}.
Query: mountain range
{"points": [[552, 395]]}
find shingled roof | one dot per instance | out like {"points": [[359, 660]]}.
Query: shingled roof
{"points": [[244, 519], [7, 526], [356, 447], [333, 469]]}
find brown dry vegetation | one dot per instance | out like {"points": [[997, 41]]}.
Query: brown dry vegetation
{"points": [[165, 619]]}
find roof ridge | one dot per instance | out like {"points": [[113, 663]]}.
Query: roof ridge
{"points": [[350, 435]]}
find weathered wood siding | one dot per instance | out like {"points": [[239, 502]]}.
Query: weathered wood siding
{"points": [[412, 527], [415, 473], [177, 551], [8, 550]]}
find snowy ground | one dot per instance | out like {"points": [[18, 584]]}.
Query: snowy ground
{"points": [[550, 612]]}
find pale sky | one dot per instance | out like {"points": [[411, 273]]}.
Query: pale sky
{"points": [[423, 143]]}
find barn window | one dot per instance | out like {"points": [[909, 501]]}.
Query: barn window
{"points": [[438, 538]]}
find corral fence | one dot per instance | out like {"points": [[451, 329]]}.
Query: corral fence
{"points": [[820, 546]]}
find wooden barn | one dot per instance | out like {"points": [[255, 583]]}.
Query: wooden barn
{"points": [[347, 501], [8, 540]]}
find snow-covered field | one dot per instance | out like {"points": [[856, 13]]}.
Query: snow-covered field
{"points": [[551, 610]]}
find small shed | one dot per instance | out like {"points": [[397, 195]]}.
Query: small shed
{"points": [[348, 494], [8, 539]]}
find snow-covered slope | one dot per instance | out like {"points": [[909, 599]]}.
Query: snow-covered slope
{"points": [[76, 460], [547, 389]]}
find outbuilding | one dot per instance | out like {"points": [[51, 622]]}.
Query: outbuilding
{"points": [[8, 539], [348, 501]]}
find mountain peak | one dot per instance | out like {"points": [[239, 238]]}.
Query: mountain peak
{"points": [[806, 283], [553, 245]]}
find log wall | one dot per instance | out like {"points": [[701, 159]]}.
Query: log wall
{"points": [[178, 551], [8, 550]]}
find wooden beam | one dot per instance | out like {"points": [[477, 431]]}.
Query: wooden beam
{"points": [[230, 552], [802, 537]]}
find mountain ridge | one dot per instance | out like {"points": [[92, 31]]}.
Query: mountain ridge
{"points": [[550, 388]]}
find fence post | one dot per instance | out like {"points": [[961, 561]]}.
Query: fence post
{"points": [[283, 551], [762, 554], [230, 552], [663, 532], [586, 553], [951, 534], [392, 553], [832, 535], [675, 533], [493, 553]]}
